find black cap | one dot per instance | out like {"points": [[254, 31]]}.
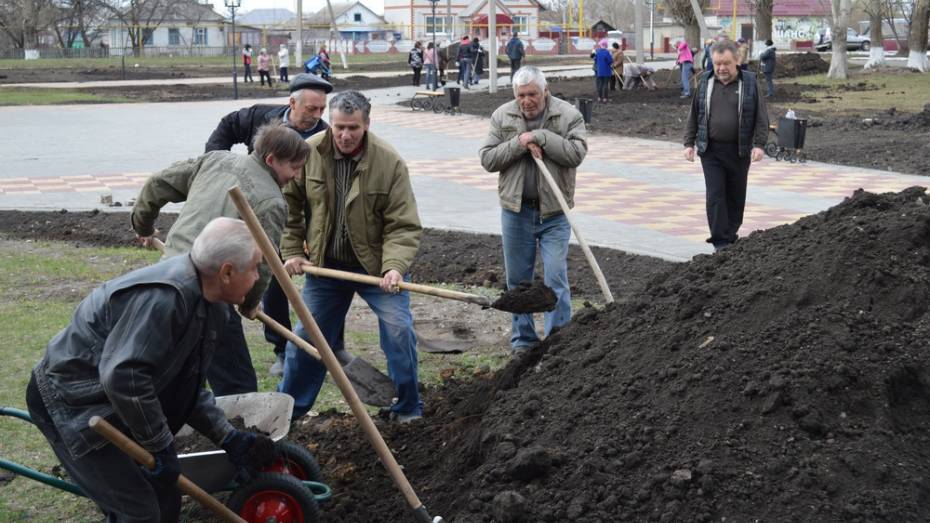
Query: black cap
{"points": [[310, 81]]}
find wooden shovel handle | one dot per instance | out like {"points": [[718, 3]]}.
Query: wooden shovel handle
{"points": [[142, 456], [407, 286], [601, 281], [289, 334]]}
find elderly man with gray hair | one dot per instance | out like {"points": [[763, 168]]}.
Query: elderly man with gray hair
{"points": [[362, 218], [136, 353], [535, 124]]}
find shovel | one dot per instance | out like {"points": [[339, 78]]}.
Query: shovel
{"points": [[373, 387], [526, 298], [142, 456]]}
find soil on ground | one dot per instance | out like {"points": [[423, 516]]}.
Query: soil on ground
{"points": [[888, 140]]}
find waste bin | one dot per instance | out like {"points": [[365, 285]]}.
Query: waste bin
{"points": [[791, 132], [455, 94], [585, 106]]}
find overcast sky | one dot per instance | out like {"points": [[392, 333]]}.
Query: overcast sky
{"points": [[310, 6]]}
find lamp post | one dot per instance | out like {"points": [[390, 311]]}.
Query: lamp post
{"points": [[233, 5], [433, 3]]}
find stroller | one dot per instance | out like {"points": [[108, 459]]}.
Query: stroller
{"points": [[316, 66]]}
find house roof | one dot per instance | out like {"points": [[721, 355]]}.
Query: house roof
{"points": [[182, 11], [780, 8], [266, 16], [321, 17], [476, 6]]}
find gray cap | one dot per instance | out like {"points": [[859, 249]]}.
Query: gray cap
{"points": [[310, 81]]}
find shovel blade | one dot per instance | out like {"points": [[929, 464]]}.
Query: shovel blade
{"points": [[372, 386]]}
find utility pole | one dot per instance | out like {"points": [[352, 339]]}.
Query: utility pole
{"points": [[299, 51], [232, 5], [652, 30], [638, 28], [492, 46]]}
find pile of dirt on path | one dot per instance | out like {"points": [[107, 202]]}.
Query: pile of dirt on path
{"points": [[785, 379], [801, 64], [444, 256]]}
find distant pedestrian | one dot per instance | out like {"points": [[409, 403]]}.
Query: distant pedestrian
{"points": [[603, 68], [743, 46], [515, 53], [429, 63], [464, 59], [617, 65], [727, 127], [767, 60], [686, 62], [284, 59], [707, 62], [415, 59], [477, 56], [264, 67], [247, 63]]}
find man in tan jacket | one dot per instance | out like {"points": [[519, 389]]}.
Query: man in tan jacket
{"points": [[539, 125], [363, 219]]}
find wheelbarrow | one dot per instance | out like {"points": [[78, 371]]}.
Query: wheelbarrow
{"points": [[288, 490]]}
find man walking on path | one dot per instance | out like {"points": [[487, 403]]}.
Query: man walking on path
{"points": [[202, 183], [515, 52], [303, 113], [535, 124], [362, 218], [135, 354], [727, 127], [465, 61], [767, 60]]}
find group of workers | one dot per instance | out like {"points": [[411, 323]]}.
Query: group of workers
{"points": [[266, 64], [330, 194]]}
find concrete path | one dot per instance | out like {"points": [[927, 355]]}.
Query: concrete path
{"points": [[637, 195]]}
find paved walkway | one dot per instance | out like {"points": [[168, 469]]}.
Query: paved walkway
{"points": [[637, 195]]}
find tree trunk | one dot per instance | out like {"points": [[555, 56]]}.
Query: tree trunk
{"points": [[917, 37], [764, 19], [698, 10], [877, 50], [838, 62], [693, 35]]}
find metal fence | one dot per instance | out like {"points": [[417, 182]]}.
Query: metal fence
{"points": [[106, 52]]}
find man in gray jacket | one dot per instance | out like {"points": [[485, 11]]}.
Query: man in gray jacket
{"points": [[135, 354], [202, 183], [539, 125]]}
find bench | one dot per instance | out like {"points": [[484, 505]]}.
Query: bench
{"points": [[428, 101]]}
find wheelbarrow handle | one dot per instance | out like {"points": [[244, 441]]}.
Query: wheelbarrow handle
{"points": [[142, 456]]}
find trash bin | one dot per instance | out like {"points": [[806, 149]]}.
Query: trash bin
{"points": [[455, 94], [585, 106], [791, 132]]}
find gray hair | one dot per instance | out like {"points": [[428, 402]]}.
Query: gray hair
{"points": [[350, 101], [723, 46], [528, 75], [223, 240]]}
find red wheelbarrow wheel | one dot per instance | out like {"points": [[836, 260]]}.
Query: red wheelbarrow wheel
{"points": [[274, 498], [294, 460]]}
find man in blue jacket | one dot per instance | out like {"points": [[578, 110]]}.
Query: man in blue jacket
{"points": [[135, 354]]}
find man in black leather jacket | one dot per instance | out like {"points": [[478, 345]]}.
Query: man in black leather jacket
{"points": [[135, 354]]}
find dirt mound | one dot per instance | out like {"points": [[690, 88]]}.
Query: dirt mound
{"points": [[791, 65], [786, 379]]}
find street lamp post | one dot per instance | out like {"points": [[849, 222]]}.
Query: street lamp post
{"points": [[233, 5], [435, 49], [433, 3]]}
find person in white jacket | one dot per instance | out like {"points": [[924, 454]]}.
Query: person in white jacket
{"points": [[284, 58]]}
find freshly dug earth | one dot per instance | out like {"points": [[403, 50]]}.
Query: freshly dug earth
{"points": [[527, 297], [865, 139], [444, 256], [785, 379]]}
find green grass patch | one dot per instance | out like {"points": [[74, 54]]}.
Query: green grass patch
{"points": [[897, 88], [42, 96]]}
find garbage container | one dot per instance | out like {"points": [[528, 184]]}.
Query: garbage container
{"points": [[585, 106], [455, 94], [791, 132]]}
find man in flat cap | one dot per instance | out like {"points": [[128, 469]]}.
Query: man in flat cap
{"points": [[303, 113]]}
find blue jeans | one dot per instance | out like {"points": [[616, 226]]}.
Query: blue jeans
{"points": [[329, 301], [686, 69], [521, 232], [768, 82], [431, 81]]}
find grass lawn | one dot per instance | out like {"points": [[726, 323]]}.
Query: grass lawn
{"points": [[897, 88], [40, 96], [42, 283]]}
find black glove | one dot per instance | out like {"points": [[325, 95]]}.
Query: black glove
{"points": [[248, 452], [167, 467]]}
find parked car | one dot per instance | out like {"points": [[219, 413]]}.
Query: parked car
{"points": [[854, 42]]}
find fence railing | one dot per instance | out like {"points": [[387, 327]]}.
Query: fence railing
{"points": [[106, 52]]}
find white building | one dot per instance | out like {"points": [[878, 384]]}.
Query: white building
{"points": [[413, 19], [356, 22], [184, 28]]}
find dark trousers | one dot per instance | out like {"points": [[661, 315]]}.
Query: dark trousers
{"points": [[231, 370], [108, 476], [416, 76], [514, 67], [769, 84], [283, 74], [613, 82], [725, 175], [247, 76], [276, 306], [602, 87], [264, 74]]}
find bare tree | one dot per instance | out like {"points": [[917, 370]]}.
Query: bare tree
{"points": [[141, 17], [78, 19], [763, 10], [24, 20], [841, 10], [917, 37], [682, 12], [874, 8]]}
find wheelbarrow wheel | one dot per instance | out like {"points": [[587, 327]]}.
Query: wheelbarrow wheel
{"points": [[274, 497], [294, 460], [771, 149]]}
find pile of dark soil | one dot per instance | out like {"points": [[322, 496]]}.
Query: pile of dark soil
{"points": [[786, 379], [444, 256], [804, 64]]}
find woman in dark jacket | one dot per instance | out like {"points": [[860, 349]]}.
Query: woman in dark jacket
{"points": [[415, 59], [603, 62]]}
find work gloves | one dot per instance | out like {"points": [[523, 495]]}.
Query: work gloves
{"points": [[167, 467], [248, 452]]}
